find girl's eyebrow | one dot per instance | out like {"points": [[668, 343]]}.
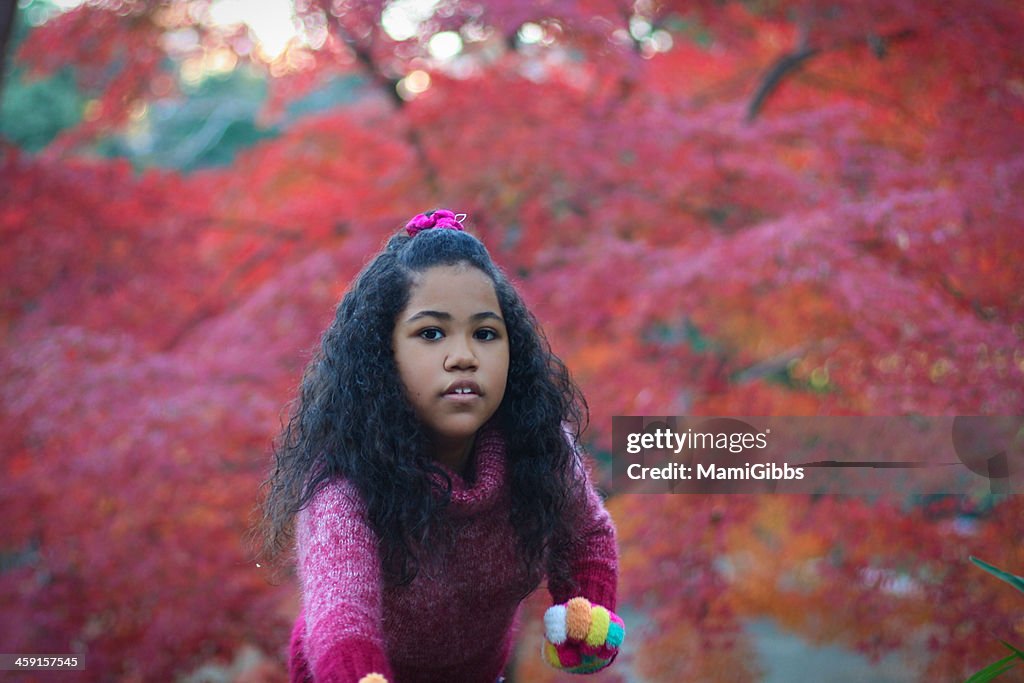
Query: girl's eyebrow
{"points": [[442, 315]]}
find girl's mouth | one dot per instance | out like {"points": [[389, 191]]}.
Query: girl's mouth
{"points": [[463, 388]]}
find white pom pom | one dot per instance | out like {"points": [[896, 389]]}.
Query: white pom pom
{"points": [[554, 624]]}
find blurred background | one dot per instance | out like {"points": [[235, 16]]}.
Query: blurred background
{"points": [[757, 207]]}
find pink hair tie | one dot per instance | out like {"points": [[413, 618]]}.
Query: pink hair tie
{"points": [[440, 219]]}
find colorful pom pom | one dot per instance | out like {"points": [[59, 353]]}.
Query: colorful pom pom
{"points": [[554, 624], [577, 618], [550, 654], [581, 637], [599, 623], [616, 632]]}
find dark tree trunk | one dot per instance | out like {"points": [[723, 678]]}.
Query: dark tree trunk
{"points": [[8, 8]]}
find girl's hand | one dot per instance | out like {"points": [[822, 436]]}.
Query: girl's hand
{"points": [[580, 637]]}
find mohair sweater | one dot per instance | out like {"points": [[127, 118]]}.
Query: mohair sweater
{"points": [[450, 625]]}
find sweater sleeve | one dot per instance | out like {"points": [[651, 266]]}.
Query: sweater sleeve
{"points": [[339, 573], [592, 554]]}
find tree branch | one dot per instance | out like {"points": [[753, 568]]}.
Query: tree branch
{"points": [[792, 61], [783, 66]]}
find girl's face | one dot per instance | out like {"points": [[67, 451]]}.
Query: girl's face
{"points": [[451, 349]]}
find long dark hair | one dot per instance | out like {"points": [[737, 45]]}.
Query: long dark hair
{"points": [[352, 420]]}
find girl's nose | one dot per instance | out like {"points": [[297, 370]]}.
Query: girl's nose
{"points": [[460, 357]]}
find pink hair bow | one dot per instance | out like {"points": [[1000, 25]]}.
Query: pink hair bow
{"points": [[440, 219]]}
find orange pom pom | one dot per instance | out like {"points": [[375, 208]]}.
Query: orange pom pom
{"points": [[577, 618]]}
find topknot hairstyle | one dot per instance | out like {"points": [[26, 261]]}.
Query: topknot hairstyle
{"points": [[352, 419]]}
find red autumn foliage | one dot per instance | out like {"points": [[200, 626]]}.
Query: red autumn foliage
{"points": [[790, 208]]}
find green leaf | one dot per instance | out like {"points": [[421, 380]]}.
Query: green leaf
{"points": [[1020, 653], [1012, 579], [994, 669]]}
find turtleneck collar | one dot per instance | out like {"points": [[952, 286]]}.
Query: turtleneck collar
{"points": [[488, 466]]}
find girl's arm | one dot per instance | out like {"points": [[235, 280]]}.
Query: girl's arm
{"points": [[593, 554], [339, 573], [582, 631]]}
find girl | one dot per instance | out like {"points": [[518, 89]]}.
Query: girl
{"points": [[429, 464]]}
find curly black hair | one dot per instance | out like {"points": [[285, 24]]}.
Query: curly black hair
{"points": [[352, 420]]}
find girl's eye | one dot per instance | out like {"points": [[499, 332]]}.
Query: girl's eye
{"points": [[486, 335], [431, 334]]}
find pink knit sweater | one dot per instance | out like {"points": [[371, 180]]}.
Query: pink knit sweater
{"points": [[455, 622]]}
